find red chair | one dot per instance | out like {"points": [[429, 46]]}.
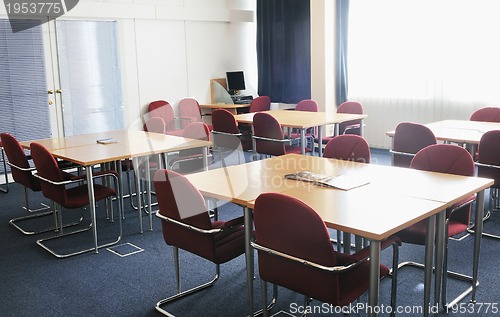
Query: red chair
{"points": [[348, 127], [348, 147], [488, 166], [226, 136], [4, 189], [162, 109], [450, 159], [190, 111], [306, 105], [486, 114], [269, 137], [305, 261], [186, 225], [408, 139], [69, 191], [155, 124], [191, 160], [261, 103]]}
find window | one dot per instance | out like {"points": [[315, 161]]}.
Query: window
{"points": [[444, 50]]}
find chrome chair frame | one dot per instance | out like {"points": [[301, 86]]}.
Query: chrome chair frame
{"points": [[5, 188], [289, 141], [220, 149], [179, 293], [58, 216], [452, 274], [494, 203]]}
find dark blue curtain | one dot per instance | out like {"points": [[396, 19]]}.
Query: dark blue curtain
{"points": [[284, 49], [341, 21]]}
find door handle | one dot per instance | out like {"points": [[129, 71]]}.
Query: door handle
{"points": [[50, 92]]}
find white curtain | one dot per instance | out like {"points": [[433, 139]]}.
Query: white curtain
{"points": [[422, 60]]}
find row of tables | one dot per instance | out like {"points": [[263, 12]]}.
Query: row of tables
{"points": [[394, 198], [85, 151]]}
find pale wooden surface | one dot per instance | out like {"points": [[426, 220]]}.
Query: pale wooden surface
{"points": [[459, 131], [84, 149], [233, 108], [303, 119], [404, 196]]}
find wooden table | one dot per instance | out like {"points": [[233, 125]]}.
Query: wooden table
{"points": [[85, 151], [392, 192], [303, 120], [459, 131], [233, 108]]}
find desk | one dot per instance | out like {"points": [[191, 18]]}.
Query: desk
{"points": [[233, 108], [303, 120], [344, 210], [459, 131], [85, 151]]}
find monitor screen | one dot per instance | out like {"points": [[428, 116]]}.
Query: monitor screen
{"points": [[235, 81]]}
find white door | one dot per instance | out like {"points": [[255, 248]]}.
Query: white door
{"points": [[86, 93]]}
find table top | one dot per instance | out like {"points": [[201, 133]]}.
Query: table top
{"points": [[403, 196], [224, 106], [84, 149], [303, 119], [459, 131]]}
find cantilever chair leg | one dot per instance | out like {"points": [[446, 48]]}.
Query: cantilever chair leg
{"points": [[58, 215], [494, 207], [180, 293], [36, 213], [5, 188]]}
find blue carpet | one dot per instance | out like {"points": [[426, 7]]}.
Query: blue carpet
{"points": [[34, 283]]}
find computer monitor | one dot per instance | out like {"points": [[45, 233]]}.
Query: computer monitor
{"points": [[235, 82]]}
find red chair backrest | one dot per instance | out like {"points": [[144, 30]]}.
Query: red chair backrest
{"points": [[224, 121], [410, 137], [284, 223], [261, 103], [197, 130], [17, 156], [178, 199], [265, 125], [47, 168], [486, 114], [348, 147], [352, 107], [489, 153], [155, 124], [162, 109], [189, 108], [307, 105]]}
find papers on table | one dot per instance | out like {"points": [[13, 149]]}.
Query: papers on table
{"points": [[344, 182]]}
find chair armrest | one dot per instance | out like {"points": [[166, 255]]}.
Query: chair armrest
{"points": [[24, 169], [271, 140], [401, 153], [487, 165], [71, 179], [186, 159], [226, 133], [333, 269], [184, 225]]}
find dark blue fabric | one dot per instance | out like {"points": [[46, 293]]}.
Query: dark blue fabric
{"points": [[284, 49], [342, 22]]}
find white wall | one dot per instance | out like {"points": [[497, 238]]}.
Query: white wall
{"points": [[169, 49]]}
